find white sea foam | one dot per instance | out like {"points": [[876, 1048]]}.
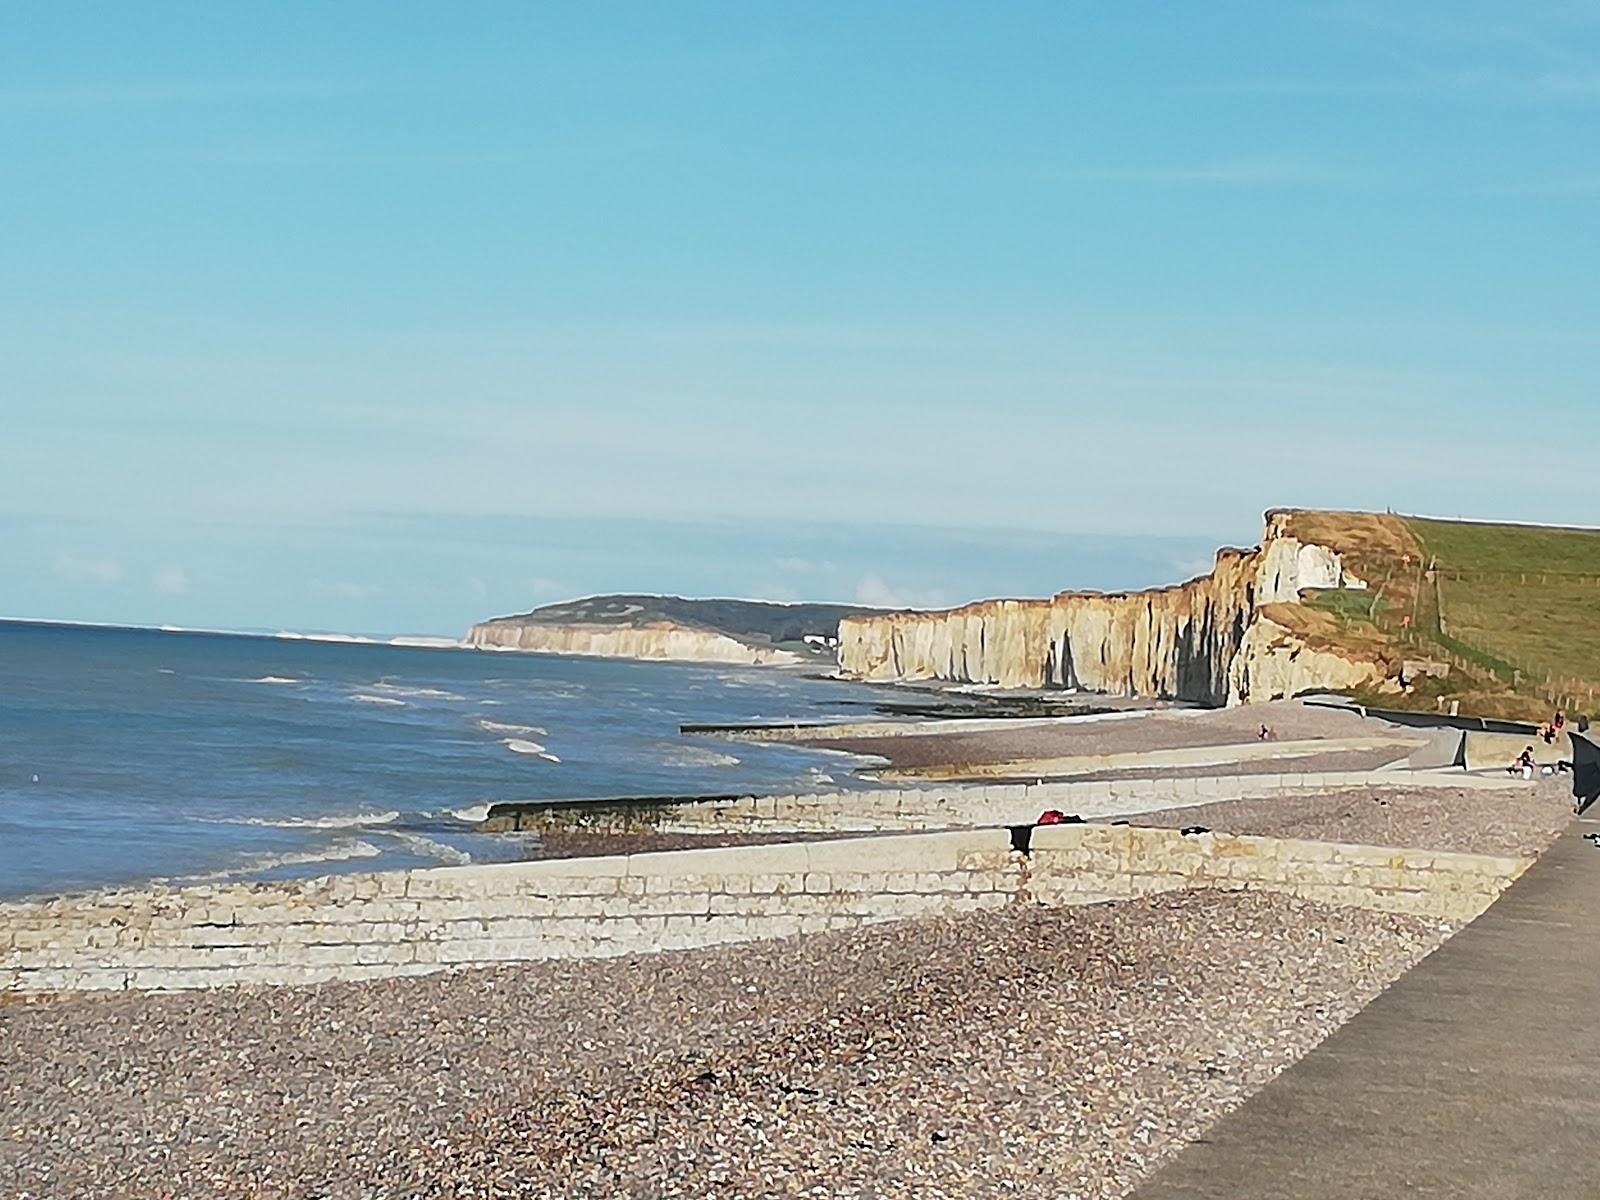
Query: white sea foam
{"points": [[501, 727], [341, 851], [698, 756], [332, 821], [472, 814], [165, 671], [428, 848], [419, 693], [365, 698], [274, 679], [427, 643], [532, 749]]}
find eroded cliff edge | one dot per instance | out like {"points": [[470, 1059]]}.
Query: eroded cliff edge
{"points": [[1236, 635]]}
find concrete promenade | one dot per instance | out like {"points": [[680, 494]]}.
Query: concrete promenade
{"points": [[1476, 1074]]}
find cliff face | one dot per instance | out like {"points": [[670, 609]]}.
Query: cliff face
{"points": [[1203, 640], [687, 629], [654, 640]]}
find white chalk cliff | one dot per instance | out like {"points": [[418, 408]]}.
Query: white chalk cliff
{"points": [[1206, 640], [663, 640]]}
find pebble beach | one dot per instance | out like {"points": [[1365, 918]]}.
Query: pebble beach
{"points": [[1017, 1052], [1023, 1052]]}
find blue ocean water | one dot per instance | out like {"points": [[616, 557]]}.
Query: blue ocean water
{"points": [[133, 755]]}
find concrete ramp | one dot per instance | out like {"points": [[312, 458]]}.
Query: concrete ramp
{"points": [[1447, 748], [1497, 751]]}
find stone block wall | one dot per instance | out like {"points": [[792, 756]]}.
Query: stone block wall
{"points": [[412, 922], [1077, 864], [944, 806]]}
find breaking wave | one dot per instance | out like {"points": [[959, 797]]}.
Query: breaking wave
{"points": [[367, 698], [501, 727], [698, 756], [359, 820], [274, 679], [426, 847], [341, 851], [419, 693], [533, 749]]}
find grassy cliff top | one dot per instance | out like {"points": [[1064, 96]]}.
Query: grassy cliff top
{"points": [[1512, 608]]}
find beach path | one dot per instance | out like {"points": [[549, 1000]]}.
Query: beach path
{"points": [[1473, 1075]]}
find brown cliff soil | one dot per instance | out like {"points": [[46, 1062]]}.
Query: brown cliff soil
{"points": [[1371, 544], [1322, 630]]}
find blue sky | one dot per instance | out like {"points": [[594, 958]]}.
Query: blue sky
{"points": [[387, 317]]}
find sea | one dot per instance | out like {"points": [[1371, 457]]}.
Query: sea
{"points": [[129, 756]]}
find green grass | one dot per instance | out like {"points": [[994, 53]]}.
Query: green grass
{"points": [[1348, 605], [1520, 596], [1534, 549]]}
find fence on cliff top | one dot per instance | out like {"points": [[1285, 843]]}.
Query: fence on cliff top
{"points": [[1425, 625]]}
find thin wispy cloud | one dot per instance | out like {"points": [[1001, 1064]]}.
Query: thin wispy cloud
{"points": [[95, 96], [256, 154], [347, 590], [1569, 85], [793, 565], [1243, 173], [172, 581], [875, 592], [1498, 85], [317, 153], [1574, 187], [1527, 53], [100, 571]]}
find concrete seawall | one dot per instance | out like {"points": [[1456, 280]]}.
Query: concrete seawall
{"points": [[947, 806], [406, 923]]}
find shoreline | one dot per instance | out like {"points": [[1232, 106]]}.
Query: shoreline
{"points": [[232, 801]]}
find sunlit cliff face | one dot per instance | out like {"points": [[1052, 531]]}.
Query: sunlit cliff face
{"points": [[1204, 640], [656, 640]]}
